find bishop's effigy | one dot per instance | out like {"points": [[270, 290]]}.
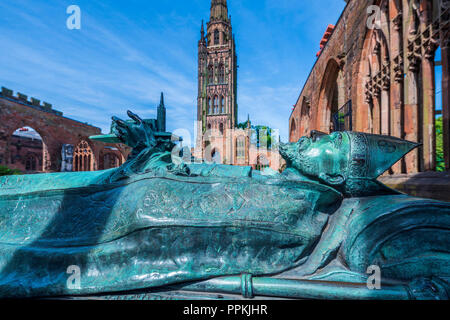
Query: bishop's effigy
{"points": [[157, 226]]}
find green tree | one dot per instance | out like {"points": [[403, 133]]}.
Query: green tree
{"points": [[243, 125], [440, 163], [5, 171]]}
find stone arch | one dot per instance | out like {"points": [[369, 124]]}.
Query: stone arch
{"points": [[11, 151], [328, 104], [293, 130], [364, 103], [373, 85]]}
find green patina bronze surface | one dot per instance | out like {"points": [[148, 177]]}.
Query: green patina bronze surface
{"points": [[158, 228]]}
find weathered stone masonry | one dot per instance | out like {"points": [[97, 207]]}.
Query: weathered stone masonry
{"points": [[387, 73], [55, 130]]}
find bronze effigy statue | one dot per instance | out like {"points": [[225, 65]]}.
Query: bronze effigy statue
{"points": [[155, 229]]}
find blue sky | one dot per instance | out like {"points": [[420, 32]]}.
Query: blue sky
{"points": [[127, 52]]}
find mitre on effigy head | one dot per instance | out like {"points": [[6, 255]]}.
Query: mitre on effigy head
{"points": [[370, 156]]}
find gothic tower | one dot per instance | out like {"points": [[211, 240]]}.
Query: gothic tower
{"points": [[217, 74]]}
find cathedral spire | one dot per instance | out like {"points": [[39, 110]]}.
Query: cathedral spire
{"points": [[202, 34], [219, 10], [161, 115], [161, 102]]}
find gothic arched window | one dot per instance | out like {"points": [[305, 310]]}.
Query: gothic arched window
{"points": [[210, 74], [221, 73], [216, 37], [209, 106], [222, 104], [83, 157], [293, 129], [216, 105]]}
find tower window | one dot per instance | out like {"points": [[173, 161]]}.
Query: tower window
{"points": [[216, 104], [209, 106], [216, 37], [210, 74], [221, 73]]}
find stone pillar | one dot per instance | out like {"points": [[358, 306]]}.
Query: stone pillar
{"points": [[396, 92], [376, 114], [411, 119], [428, 124], [385, 108], [46, 161], [412, 60], [53, 160], [428, 96]]}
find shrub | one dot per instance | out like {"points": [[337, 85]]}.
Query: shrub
{"points": [[5, 171]]}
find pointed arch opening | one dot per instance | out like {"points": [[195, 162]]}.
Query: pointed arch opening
{"points": [[83, 157], [332, 94], [27, 151]]}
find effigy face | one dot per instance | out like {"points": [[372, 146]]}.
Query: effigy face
{"points": [[321, 156]]}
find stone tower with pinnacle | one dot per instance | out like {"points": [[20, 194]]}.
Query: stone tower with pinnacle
{"points": [[217, 74]]}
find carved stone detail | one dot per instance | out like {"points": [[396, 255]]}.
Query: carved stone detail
{"points": [[397, 21], [398, 67]]}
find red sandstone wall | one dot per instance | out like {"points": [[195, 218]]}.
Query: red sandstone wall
{"points": [[55, 131], [387, 73]]}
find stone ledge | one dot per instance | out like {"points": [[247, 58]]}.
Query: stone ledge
{"points": [[433, 185]]}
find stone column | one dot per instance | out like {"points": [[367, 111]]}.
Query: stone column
{"points": [[428, 96], [52, 161], [376, 113], [385, 108], [397, 71], [411, 58], [428, 124], [46, 161]]}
